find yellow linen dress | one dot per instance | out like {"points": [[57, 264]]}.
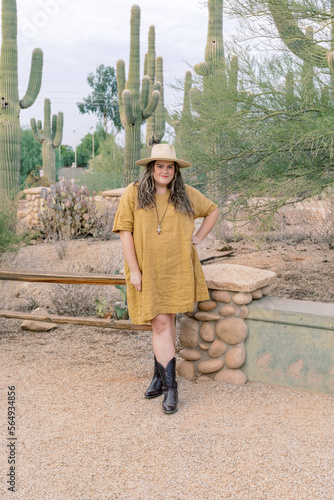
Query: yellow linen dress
{"points": [[172, 276]]}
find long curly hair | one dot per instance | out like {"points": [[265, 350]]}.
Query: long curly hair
{"points": [[177, 195]]}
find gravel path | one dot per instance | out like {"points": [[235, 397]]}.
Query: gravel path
{"points": [[85, 431]]}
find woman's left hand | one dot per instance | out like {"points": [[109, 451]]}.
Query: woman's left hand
{"points": [[195, 240]]}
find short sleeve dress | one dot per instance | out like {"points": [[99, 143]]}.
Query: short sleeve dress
{"points": [[172, 276]]}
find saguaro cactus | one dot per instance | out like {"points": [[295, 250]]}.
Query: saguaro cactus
{"points": [[10, 103], [214, 50], [179, 123], [298, 42], [213, 69], [134, 106], [308, 90], [50, 137], [155, 124]]}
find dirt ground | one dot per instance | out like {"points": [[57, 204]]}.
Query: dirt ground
{"points": [[305, 270], [85, 430]]}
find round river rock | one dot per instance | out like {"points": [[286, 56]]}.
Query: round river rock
{"points": [[210, 365], [207, 332], [231, 330]]}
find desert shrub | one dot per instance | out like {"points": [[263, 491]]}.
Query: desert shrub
{"points": [[60, 248], [225, 232], [35, 180], [68, 211], [320, 226], [85, 300], [73, 300], [102, 225], [9, 239]]}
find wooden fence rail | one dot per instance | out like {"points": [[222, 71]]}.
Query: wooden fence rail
{"points": [[68, 278]]}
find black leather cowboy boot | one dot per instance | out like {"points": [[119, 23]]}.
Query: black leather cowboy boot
{"points": [[169, 404], [155, 387]]}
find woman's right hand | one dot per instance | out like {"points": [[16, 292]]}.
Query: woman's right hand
{"points": [[135, 280]]}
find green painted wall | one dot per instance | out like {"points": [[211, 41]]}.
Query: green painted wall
{"points": [[291, 343]]}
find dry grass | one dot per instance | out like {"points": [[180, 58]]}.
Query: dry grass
{"points": [[89, 256]]}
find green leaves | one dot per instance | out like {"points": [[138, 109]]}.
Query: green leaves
{"points": [[103, 101]]}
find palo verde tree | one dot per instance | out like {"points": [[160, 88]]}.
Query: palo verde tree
{"points": [[10, 103], [290, 128], [136, 105], [278, 149]]}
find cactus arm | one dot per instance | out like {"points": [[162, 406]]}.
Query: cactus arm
{"points": [[150, 122], [152, 105], [40, 126], [133, 81], [157, 86], [188, 81], [35, 79], [195, 96], [59, 131], [173, 122], [151, 55], [294, 38], [233, 76], [289, 93], [159, 131], [145, 86], [54, 127], [35, 132], [308, 91], [47, 119], [146, 64], [120, 74], [202, 69], [127, 105]]}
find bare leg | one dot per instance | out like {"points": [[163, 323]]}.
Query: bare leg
{"points": [[164, 334]]}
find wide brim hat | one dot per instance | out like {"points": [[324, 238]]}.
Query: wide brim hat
{"points": [[163, 152]]}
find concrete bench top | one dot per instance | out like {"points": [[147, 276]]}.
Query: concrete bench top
{"points": [[237, 278]]}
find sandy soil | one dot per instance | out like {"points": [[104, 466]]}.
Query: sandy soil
{"points": [[85, 430]]}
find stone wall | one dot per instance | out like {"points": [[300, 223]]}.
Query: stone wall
{"points": [[109, 200], [213, 335], [29, 207]]}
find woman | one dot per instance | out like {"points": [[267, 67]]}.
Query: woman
{"points": [[164, 277]]}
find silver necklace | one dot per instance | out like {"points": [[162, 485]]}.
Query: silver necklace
{"points": [[159, 222]]}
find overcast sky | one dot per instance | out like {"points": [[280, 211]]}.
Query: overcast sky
{"points": [[78, 35]]}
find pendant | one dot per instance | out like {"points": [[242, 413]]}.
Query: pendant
{"points": [[159, 229]]}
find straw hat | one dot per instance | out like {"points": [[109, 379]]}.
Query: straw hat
{"points": [[163, 152]]}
